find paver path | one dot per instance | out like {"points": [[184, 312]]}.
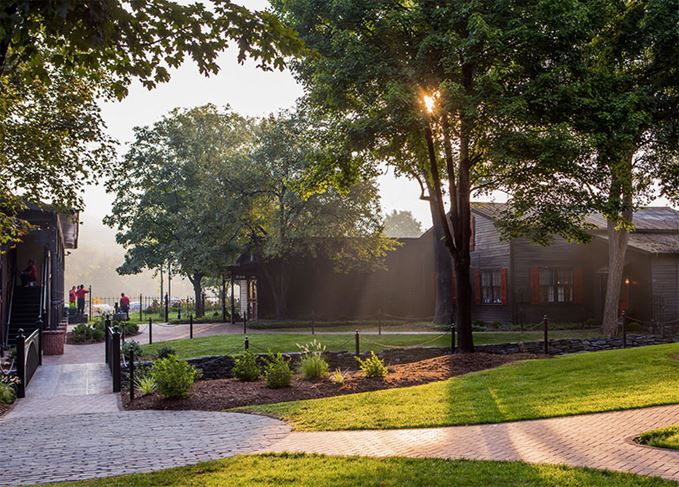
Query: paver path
{"points": [[82, 446], [593, 440]]}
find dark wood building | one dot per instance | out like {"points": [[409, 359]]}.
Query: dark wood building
{"points": [[52, 234], [513, 281]]}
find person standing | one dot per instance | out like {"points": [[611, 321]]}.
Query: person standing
{"points": [[125, 305], [29, 276], [80, 295], [72, 298]]}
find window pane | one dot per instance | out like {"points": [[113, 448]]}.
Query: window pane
{"points": [[546, 277]]}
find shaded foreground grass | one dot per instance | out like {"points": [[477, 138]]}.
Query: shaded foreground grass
{"points": [[663, 437], [284, 342], [573, 384], [315, 470]]}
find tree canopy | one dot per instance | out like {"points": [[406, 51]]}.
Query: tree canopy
{"points": [[402, 223]]}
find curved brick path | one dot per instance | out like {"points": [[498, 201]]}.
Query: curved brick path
{"points": [[82, 446], [593, 440]]}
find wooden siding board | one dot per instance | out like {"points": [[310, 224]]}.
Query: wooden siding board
{"points": [[665, 284]]}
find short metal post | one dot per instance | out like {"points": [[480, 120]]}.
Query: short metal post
{"points": [[115, 359], [358, 344], [245, 322], [141, 308], [191, 326], [452, 338], [107, 325], [150, 331], [246, 344], [21, 363], [623, 322], [545, 322], [167, 308], [38, 323], [89, 316], [131, 374], [179, 311]]}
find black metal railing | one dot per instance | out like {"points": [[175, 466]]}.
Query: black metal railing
{"points": [[28, 358], [9, 311], [113, 353]]}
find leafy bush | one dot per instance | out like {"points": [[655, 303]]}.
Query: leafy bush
{"points": [[6, 393], [633, 325], [144, 383], [337, 377], [132, 345], [277, 372], [246, 368], [83, 332], [131, 328], [173, 377], [312, 364], [165, 351], [373, 366]]}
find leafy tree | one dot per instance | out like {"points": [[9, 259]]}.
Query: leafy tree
{"points": [[601, 133], [57, 58], [402, 223], [287, 220], [170, 204]]}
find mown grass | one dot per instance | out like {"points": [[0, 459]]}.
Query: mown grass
{"points": [[287, 342], [662, 437], [573, 384], [316, 470]]}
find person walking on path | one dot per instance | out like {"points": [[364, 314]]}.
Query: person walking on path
{"points": [[125, 305], [72, 298], [80, 294], [29, 276]]}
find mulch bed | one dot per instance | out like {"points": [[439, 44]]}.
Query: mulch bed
{"points": [[220, 394]]}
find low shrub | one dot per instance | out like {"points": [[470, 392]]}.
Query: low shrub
{"points": [[7, 395], [373, 366], [83, 333], [132, 345], [277, 372], [633, 325], [131, 328], [337, 377], [144, 383], [246, 368], [165, 351], [173, 377], [312, 364]]}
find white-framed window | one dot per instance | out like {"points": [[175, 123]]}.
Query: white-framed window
{"points": [[491, 287], [556, 285]]}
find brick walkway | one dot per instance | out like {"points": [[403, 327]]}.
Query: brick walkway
{"points": [[84, 446], [593, 440]]}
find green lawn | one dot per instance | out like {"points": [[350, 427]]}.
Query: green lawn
{"points": [[663, 437], [315, 470], [279, 342], [572, 384]]}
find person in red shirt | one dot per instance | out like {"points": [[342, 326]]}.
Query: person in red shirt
{"points": [[80, 294], [29, 276], [71, 298], [125, 304]]}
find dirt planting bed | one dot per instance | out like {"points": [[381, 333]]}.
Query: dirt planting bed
{"points": [[219, 394]]}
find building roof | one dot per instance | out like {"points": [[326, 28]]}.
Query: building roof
{"points": [[656, 228]]}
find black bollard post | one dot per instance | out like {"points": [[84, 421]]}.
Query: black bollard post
{"points": [[141, 308], [191, 326], [179, 311], [545, 322], [624, 329], [38, 324], [131, 374], [150, 331], [246, 344], [167, 308], [358, 344], [245, 322]]}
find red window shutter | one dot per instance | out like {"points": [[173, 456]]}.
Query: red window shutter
{"points": [[472, 234], [503, 284], [578, 291], [453, 287], [534, 285], [477, 286]]}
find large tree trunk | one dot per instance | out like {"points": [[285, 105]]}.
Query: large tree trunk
{"points": [[443, 268], [197, 281], [618, 236]]}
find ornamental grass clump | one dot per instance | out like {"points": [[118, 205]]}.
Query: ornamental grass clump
{"points": [[144, 383], [373, 366], [337, 377], [313, 365], [173, 377], [277, 372], [246, 368]]}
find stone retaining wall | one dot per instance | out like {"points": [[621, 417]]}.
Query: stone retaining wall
{"points": [[219, 367]]}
